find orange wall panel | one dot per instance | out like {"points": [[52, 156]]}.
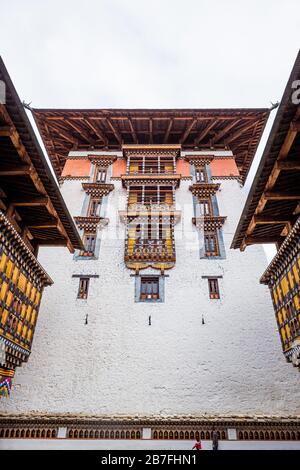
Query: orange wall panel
{"points": [[76, 168], [119, 168], [224, 167], [183, 168]]}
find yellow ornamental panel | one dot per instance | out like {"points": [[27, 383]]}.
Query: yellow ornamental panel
{"points": [[283, 335], [19, 329], [4, 316], [33, 291], [3, 262], [296, 302], [37, 298], [3, 291], [279, 292], [275, 296], [291, 280], [9, 298], [288, 331], [296, 273], [28, 289], [279, 316], [22, 282], [33, 317], [23, 311], [283, 314], [28, 314], [24, 332], [15, 275], [9, 268], [29, 334], [284, 285]]}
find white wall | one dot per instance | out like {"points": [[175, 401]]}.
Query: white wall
{"points": [[118, 364]]}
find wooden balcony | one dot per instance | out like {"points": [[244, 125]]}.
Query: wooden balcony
{"points": [[150, 250]]}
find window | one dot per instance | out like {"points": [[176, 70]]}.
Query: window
{"points": [[201, 176], [149, 289], [204, 207], [100, 175], [94, 207], [89, 242], [213, 287], [83, 288], [211, 244]]}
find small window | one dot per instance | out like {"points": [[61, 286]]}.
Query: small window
{"points": [[94, 207], [204, 207], [211, 244], [100, 175], [83, 288], [201, 176], [89, 242], [213, 287], [149, 289]]}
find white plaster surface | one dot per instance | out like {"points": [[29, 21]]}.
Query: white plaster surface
{"points": [[105, 444], [118, 364]]}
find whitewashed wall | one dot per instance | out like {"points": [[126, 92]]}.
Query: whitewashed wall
{"points": [[118, 364]]}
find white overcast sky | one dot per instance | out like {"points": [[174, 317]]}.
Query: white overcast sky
{"points": [[159, 53]]}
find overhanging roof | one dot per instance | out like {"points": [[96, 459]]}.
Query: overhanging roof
{"points": [[18, 132], [273, 202], [239, 130]]}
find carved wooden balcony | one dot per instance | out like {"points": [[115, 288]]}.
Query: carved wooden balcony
{"points": [[150, 250]]}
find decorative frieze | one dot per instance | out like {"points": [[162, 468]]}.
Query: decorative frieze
{"points": [[102, 161], [204, 189], [199, 160], [97, 189], [209, 223], [90, 223]]}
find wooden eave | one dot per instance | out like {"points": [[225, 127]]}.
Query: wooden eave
{"points": [[151, 178], [204, 189], [273, 203], [97, 189], [238, 130], [29, 195]]}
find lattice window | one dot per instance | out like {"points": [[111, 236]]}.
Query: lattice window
{"points": [[213, 288], [89, 242], [211, 244], [94, 207], [204, 207], [149, 289], [100, 175], [83, 288], [201, 175]]}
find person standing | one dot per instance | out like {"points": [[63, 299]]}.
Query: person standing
{"points": [[215, 441], [197, 445]]}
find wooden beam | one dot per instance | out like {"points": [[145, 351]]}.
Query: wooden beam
{"points": [[150, 131], [97, 131], [41, 225], [205, 131], [115, 132], [239, 132], [81, 131], [260, 219], [281, 195], [132, 131], [33, 201], [187, 131], [223, 132], [291, 165], [168, 131], [63, 133], [6, 131], [288, 141], [21, 170], [261, 240]]}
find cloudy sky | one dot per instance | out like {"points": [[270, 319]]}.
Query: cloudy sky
{"points": [[154, 53]]}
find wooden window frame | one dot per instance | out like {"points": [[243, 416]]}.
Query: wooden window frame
{"points": [[216, 252], [213, 288], [86, 252], [83, 288], [94, 200], [203, 202], [198, 171], [146, 294], [102, 172]]}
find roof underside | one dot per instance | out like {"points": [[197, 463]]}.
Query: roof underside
{"points": [[19, 182], [272, 205], [238, 130]]}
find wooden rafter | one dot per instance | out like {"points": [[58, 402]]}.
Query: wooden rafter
{"points": [[135, 139], [187, 131], [168, 131], [96, 130], [204, 132], [114, 130]]}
